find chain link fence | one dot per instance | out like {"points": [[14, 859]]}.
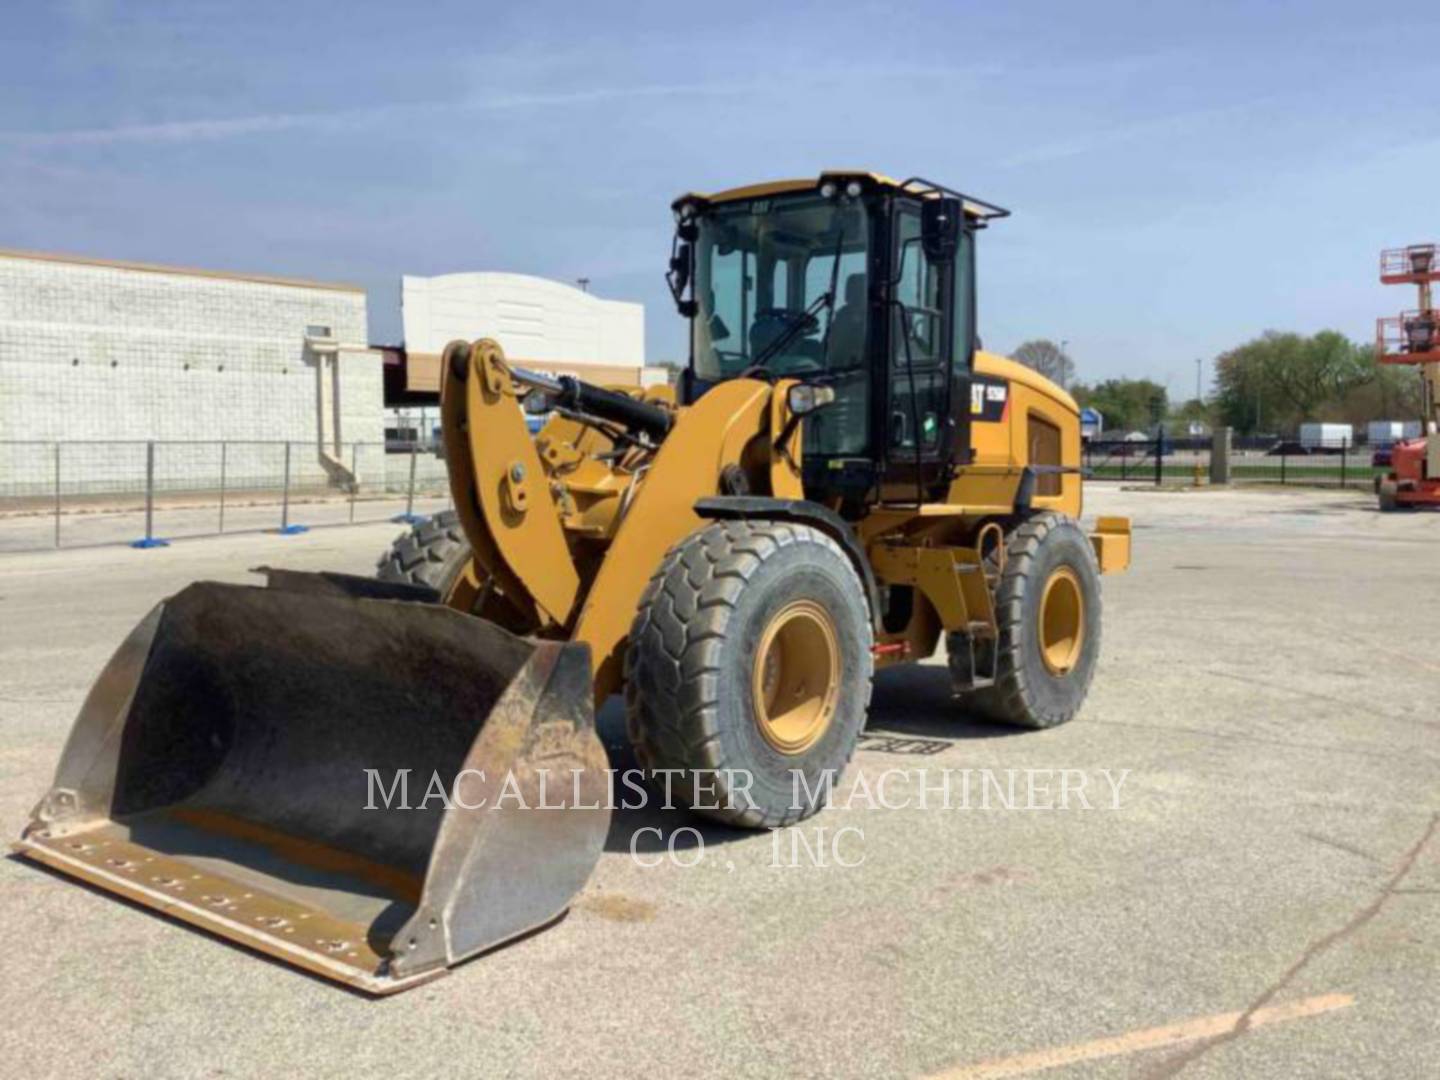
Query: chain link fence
{"points": [[79, 494]]}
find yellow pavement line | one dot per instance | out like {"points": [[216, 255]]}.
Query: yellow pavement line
{"points": [[1203, 1027]]}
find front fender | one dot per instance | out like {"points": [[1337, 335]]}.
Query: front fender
{"points": [[710, 435]]}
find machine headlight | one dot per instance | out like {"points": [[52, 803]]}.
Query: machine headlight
{"points": [[853, 189], [828, 189], [806, 398]]}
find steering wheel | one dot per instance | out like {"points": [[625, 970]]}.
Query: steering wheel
{"points": [[795, 365], [807, 321]]}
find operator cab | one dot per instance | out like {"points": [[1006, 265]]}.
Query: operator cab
{"points": [[853, 282]]}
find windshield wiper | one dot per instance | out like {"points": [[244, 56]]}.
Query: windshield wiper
{"points": [[791, 332], [830, 314]]}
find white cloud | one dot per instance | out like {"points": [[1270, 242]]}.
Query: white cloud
{"points": [[264, 123], [1089, 141]]}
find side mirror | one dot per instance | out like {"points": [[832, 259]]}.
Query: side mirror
{"points": [[679, 276], [940, 223], [803, 399]]}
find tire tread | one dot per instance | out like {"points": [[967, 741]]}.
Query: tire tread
{"points": [[424, 555], [1010, 700], [672, 664]]}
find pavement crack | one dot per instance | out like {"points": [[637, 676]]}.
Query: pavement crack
{"points": [[1251, 737], [1172, 1066], [1329, 699], [1340, 846]]}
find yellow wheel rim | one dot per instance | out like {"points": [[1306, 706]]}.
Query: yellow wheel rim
{"points": [[797, 677], [1062, 621]]}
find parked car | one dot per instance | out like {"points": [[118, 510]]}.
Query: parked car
{"points": [[1288, 448]]}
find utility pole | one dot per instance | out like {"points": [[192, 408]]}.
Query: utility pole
{"points": [[1199, 396], [584, 283], [1064, 356]]}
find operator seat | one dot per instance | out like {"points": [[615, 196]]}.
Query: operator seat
{"points": [[847, 333], [842, 428]]}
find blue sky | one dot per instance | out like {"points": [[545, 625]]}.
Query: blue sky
{"points": [[1183, 175]]}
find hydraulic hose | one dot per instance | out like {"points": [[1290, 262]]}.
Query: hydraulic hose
{"points": [[568, 392], [632, 414]]}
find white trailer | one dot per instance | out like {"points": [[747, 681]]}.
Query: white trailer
{"points": [[1326, 436], [1389, 432]]}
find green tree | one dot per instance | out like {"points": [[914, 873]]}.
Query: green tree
{"points": [[1048, 359], [1244, 398], [1392, 392], [1126, 404], [1190, 412], [1279, 380]]}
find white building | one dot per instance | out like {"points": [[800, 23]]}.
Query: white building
{"points": [[103, 357], [541, 324], [92, 350]]}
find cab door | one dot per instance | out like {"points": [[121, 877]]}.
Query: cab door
{"points": [[929, 351]]}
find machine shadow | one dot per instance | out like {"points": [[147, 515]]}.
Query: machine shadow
{"points": [[916, 700], [913, 712], [648, 828]]}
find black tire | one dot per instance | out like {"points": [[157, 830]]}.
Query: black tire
{"points": [[432, 553], [689, 698], [1026, 692]]}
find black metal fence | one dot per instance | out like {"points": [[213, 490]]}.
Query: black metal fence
{"points": [[145, 493], [1163, 459]]}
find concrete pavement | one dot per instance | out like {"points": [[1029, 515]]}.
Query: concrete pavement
{"points": [[1265, 900]]}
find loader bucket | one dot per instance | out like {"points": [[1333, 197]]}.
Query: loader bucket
{"points": [[342, 774]]}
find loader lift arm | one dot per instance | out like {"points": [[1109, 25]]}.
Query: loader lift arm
{"points": [[509, 502]]}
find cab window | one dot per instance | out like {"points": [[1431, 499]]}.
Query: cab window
{"points": [[919, 350]]}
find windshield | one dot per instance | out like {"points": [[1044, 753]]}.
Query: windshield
{"points": [[764, 272]]}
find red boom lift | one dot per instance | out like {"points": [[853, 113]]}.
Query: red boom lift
{"points": [[1413, 337]]}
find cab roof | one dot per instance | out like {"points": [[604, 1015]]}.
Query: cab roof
{"points": [[975, 208]]}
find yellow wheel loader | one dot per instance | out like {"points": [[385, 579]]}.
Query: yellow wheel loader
{"points": [[376, 778]]}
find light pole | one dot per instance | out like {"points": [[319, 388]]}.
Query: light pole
{"points": [[1064, 356], [1199, 396]]}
